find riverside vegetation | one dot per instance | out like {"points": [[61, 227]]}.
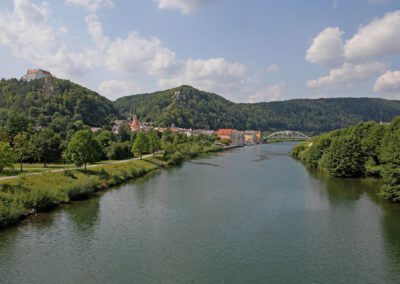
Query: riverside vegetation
{"points": [[366, 149], [27, 194]]}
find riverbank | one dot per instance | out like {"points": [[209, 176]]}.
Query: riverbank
{"points": [[22, 196], [26, 195]]}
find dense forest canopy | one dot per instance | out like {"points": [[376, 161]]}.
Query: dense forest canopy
{"points": [[366, 149], [44, 100], [190, 108]]}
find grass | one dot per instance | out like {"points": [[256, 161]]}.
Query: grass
{"points": [[25, 195], [39, 168]]}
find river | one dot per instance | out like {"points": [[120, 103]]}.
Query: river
{"points": [[250, 215]]}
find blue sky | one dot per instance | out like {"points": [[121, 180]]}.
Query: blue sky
{"points": [[247, 51]]}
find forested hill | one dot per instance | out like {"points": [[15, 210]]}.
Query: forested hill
{"points": [[188, 107], [44, 100]]}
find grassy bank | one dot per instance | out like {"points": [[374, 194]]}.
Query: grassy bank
{"points": [[25, 195]]}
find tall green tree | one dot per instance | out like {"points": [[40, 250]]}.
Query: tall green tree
{"points": [[46, 146], [344, 158], [154, 142], [22, 147], [390, 157], [7, 156], [141, 145], [83, 148], [124, 132]]}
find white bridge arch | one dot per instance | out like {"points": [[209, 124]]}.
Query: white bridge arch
{"points": [[286, 135]]}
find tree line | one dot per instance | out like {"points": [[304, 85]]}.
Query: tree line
{"points": [[366, 149], [21, 142]]}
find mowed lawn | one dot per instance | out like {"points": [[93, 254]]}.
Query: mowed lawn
{"points": [[40, 168]]}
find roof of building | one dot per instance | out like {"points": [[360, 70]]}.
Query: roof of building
{"points": [[225, 132], [35, 71]]}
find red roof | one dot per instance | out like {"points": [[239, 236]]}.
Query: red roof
{"points": [[225, 132], [35, 71]]}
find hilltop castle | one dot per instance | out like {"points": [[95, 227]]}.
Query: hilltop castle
{"points": [[34, 74]]}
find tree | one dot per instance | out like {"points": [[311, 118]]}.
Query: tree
{"points": [[124, 132], [16, 122], [154, 141], [105, 138], [344, 157], [167, 137], [7, 156], [140, 145], [83, 148], [390, 157], [22, 147], [46, 146], [119, 151]]}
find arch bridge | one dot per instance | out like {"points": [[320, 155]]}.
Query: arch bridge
{"points": [[286, 135]]}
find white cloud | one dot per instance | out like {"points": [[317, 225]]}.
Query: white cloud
{"points": [[27, 32], [348, 75], [388, 84], [272, 68], [214, 74], [135, 54], [184, 6], [92, 5], [271, 93], [380, 37], [114, 89], [327, 48], [95, 29]]}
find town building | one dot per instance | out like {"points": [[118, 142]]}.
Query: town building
{"points": [[136, 125], [34, 74], [237, 138], [225, 134], [197, 132], [249, 136], [96, 129]]}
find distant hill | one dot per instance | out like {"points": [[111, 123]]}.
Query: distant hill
{"points": [[44, 99], [188, 107]]}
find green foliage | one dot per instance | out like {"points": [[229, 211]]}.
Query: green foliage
{"points": [[119, 151], [124, 132], [44, 100], [7, 156], [191, 108], [46, 146], [154, 141], [312, 155], [83, 148], [23, 147], [344, 157], [141, 145]]}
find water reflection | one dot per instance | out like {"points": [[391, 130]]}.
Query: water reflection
{"points": [[83, 215], [347, 190]]}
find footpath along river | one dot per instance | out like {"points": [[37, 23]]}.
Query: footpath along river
{"points": [[249, 215]]}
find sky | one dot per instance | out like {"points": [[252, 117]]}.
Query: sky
{"points": [[244, 50]]}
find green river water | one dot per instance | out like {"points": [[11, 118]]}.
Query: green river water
{"points": [[250, 215]]}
